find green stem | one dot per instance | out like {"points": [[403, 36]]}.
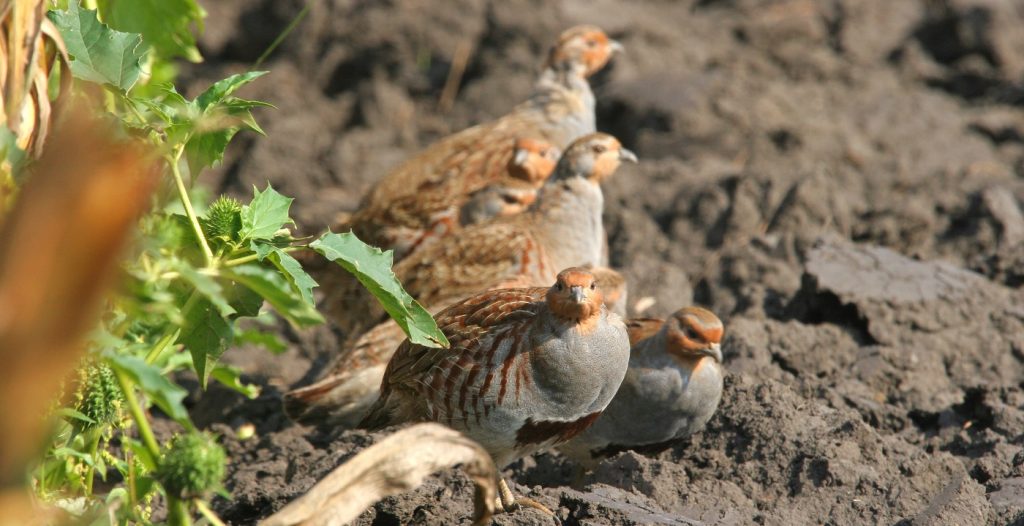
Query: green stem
{"points": [[177, 512], [177, 509], [240, 261], [94, 445], [161, 344], [135, 111], [253, 257], [208, 513], [133, 497], [145, 433], [187, 203], [284, 34]]}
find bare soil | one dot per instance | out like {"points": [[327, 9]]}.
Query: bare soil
{"points": [[841, 181]]}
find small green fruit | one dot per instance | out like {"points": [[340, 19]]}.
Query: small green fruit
{"points": [[97, 395], [223, 219], [192, 465]]}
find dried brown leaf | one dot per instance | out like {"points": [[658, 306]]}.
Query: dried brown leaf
{"points": [[397, 464], [29, 47]]}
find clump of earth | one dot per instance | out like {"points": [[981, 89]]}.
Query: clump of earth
{"points": [[840, 181]]}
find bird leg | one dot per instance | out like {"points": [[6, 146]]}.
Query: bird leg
{"points": [[507, 502]]}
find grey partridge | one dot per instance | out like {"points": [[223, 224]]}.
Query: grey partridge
{"points": [[443, 175], [672, 388], [350, 384], [531, 165], [527, 369], [562, 228]]}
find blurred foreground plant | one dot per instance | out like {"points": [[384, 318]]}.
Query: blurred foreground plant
{"points": [[52, 279], [196, 270]]}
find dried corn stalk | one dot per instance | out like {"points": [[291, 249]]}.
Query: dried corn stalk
{"points": [[397, 464], [30, 49]]}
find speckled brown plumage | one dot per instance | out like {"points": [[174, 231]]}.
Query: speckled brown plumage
{"points": [[562, 228], [348, 386], [406, 202], [527, 368]]}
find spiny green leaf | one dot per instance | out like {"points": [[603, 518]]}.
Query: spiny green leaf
{"points": [[164, 393], [208, 287], [247, 302], [63, 452], [222, 89], [99, 54], [216, 118], [279, 293], [266, 214], [290, 267], [373, 269], [143, 453], [206, 335], [71, 414], [165, 24], [267, 340], [231, 377], [296, 275], [262, 249], [206, 150]]}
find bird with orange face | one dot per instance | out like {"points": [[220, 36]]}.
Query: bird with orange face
{"points": [[350, 383], [528, 369], [400, 207], [532, 163], [562, 228], [672, 388]]}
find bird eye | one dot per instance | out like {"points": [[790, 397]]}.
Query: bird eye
{"points": [[691, 334], [509, 199], [600, 148], [591, 43], [593, 285], [559, 286]]}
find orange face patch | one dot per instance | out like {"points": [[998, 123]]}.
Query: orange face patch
{"points": [[533, 160], [576, 277], [597, 51], [575, 297], [606, 165]]}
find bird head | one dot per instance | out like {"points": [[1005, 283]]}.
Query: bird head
{"points": [[692, 333], [497, 201], [584, 49], [594, 157], [533, 160], [575, 295], [613, 289]]}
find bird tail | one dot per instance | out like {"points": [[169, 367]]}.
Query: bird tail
{"points": [[379, 415], [335, 400]]}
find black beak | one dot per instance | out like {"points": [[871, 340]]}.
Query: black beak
{"points": [[577, 294]]}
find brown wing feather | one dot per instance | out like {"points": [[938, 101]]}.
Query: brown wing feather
{"points": [[466, 159], [464, 324], [642, 328], [480, 258]]}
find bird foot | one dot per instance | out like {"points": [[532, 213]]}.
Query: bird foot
{"points": [[530, 503], [507, 502]]}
